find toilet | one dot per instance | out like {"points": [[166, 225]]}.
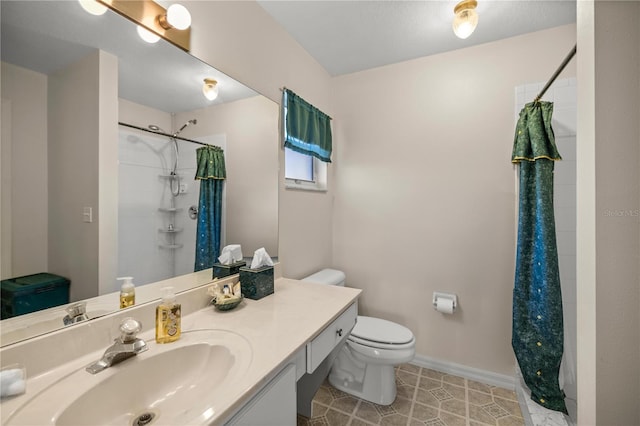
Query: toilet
{"points": [[364, 367]]}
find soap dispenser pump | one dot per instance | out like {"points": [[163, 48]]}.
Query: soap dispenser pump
{"points": [[127, 292], [168, 315]]}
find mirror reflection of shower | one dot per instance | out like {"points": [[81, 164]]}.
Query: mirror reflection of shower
{"points": [[174, 181]]}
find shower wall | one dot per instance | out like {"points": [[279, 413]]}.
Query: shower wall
{"points": [[564, 96], [155, 233]]}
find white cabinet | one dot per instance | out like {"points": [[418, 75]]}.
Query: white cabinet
{"points": [[274, 405], [320, 347]]}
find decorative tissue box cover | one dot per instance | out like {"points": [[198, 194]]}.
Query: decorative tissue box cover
{"points": [[256, 283], [221, 271]]}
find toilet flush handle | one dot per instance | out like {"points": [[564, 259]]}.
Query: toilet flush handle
{"points": [[339, 332]]}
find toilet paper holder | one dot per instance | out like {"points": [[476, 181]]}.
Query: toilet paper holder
{"points": [[449, 296]]}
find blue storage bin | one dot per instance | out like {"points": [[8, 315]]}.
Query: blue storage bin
{"points": [[30, 293]]}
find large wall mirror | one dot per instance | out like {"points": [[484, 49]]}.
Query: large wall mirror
{"points": [[89, 199]]}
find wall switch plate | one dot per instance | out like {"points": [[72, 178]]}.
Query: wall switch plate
{"points": [[87, 215], [183, 188]]}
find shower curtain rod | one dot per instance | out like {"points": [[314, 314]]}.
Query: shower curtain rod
{"points": [[164, 134], [558, 71]]}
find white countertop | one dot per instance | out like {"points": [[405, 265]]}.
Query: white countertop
{"points": [[276, 327]]}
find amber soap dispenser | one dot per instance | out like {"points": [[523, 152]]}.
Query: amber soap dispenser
{"points": [[168, 318]]}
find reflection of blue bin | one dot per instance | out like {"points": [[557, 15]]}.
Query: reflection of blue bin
{"points": [[32, 293]]}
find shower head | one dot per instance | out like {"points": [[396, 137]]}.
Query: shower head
{"points": [[192, 121]]}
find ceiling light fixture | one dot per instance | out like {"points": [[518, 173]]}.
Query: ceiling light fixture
{"points": [[466, 19], [210, 88], [93, 7]]}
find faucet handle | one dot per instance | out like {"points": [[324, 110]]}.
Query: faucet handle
{"points": [[129, 328], [76, 309]]}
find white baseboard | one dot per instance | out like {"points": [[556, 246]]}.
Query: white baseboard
{"points": [[483, 376]]}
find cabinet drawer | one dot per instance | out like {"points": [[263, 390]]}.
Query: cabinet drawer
{"points": [[334, 333]]}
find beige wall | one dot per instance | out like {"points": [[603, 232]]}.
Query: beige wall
{"points": [[251, 157], [26, 204], [609, 197], [425, 191], [107, 173], [246, 43], [75, 129]]}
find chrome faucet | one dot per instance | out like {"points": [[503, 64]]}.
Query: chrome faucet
{"points": [[125, 346], [76, 312]]}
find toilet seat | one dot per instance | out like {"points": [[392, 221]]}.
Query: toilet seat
{"points": [[380, 333]]}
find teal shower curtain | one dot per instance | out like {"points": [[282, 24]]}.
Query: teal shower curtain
{"points": [[211, 172], [537, 334]]}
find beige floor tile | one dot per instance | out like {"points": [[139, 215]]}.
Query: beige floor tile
{"points": [[424, 412], [453, 420], [511, 421], [424, 397], [504, 393], [512, 407], [433, 374], [410, 368], [479, 386], [454, 380], [455, 406], [428, 383], [336, 418], [394, 420], [479, 398], [367, 411], [346, 404]]}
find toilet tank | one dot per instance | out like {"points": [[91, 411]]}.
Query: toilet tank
{"points": [[327, 276]]}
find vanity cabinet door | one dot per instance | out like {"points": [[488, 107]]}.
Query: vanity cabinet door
{"points": [[320, 347], [274, 405]]}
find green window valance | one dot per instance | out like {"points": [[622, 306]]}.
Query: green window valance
{"points": [[210, 162], [307, 129]]}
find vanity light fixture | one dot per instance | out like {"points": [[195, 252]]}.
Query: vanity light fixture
{"points": [[210, 88], [93, 7], [177, 17], [147, 35], [466, 18], [172, 24]]}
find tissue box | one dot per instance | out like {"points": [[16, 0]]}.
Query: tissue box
{"points": [[256, 283], [221, 271]]}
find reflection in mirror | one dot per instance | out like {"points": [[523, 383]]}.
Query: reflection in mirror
{"points": [[90, 200]]}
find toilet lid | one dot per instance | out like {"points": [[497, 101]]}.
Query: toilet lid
{"points": [[381, 331]]}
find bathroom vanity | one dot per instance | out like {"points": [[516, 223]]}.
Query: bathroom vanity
{"points": [[234, 367]]}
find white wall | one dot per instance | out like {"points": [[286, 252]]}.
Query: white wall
{"points": [[425, 192], [25, 199], [608, 206]]}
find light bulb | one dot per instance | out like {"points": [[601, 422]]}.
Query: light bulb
{"points": [[147, 35], [178, 16], [210, 88], [93, 7], [466, 19]]}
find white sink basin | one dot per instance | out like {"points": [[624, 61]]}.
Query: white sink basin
{"points": [[175, 383]]}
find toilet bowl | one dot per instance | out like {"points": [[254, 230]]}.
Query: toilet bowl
{"points": [[364, 367]]}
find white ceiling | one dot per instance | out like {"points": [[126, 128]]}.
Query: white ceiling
{"points": [[349, 36], [343, 36], [47, 36]]}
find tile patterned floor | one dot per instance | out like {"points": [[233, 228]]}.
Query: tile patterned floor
{"points": [[425, 397]]}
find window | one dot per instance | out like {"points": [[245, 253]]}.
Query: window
{"points": [[304, 171], [307, 144]]}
